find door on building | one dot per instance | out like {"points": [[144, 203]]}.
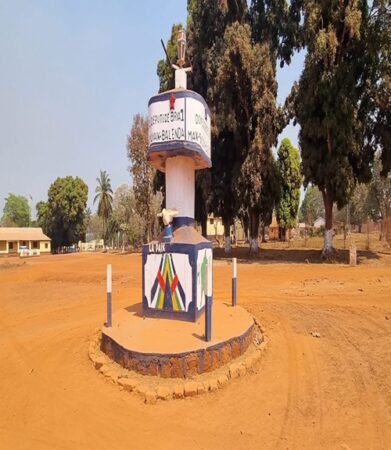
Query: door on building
{"points": [[12, 247]]}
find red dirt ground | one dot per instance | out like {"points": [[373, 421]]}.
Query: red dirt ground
{"points": [[333, 391]]}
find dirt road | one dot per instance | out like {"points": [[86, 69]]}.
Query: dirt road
{"points": [[331, 391]]}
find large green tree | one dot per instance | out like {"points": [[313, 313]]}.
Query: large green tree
{"points": [[16, 212], [274, 28], [207, 22], [275, 24], [234, 69], [250, 114], [65, 215], [104, 195], [375, 110], [290, 183], [329, 101]]}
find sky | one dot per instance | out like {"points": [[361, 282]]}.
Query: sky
{"points": [[72, 75]]}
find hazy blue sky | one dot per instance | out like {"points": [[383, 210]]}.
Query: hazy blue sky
{"points": [[72, 75]]}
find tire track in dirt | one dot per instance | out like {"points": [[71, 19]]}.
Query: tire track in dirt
{"points": [[305, 378], [365, 389], [298, 418], [288, 427], [40, 381], [371, 411], [385, 329]]}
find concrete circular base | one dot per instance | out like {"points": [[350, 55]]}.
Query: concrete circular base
{"points": [[176, 349]]}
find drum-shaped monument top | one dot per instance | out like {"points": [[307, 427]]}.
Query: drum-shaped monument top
{"points": [[178, 125]]}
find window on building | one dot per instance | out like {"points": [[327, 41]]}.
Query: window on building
{"points": [[35, 244], [46, 245], [24, 243], [10, 245], [211, 221]]}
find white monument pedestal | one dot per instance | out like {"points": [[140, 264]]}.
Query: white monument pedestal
{"points": [[176, 270]]}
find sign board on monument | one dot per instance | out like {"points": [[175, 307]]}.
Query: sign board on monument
{"points": [[178, 124]]}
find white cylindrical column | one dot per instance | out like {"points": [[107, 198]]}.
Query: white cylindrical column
{"points": [[180, 185], [180, 79]]}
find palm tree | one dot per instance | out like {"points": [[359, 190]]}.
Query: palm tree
{"points": [[104, 193]]}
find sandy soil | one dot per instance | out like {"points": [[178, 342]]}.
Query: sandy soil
{"points": [[332, 391]]}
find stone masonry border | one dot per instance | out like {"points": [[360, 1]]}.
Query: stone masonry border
{"points": [[152, 388], [178, 365]]}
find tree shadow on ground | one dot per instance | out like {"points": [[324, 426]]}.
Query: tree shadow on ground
{"points": [[290, 256]]}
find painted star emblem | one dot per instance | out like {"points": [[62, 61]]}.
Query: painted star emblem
{"points": [[172, 102]]}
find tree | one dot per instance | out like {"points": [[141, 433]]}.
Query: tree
{"points": [[203, 181], [87, 217], [375, 83], [104, 193], [290, 182], [113, 231], [142, 172], [94, 227], [127, 222], [42, 216], [16, 212], [275, 24], [359, 206], [207, 22], [328, 102], [124, 209], [249, 113], [380, 194], [312, 206], [275, 31], [66, 205], [358, 209], [123, 204]]}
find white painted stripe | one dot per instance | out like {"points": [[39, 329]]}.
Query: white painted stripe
{"points": [[234, 268], [209, 278], [109, 278]]}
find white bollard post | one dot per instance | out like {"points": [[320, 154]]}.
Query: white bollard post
{"points": [[108, 299], [234, 281], [208, 306]]}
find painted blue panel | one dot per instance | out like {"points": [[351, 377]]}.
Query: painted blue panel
{"points": [[180, 221]]}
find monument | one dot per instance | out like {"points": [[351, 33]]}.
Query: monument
{"points": [[177, 267], [176, 275]]}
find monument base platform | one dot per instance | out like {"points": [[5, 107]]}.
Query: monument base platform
{"points": [[176, 349]]}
